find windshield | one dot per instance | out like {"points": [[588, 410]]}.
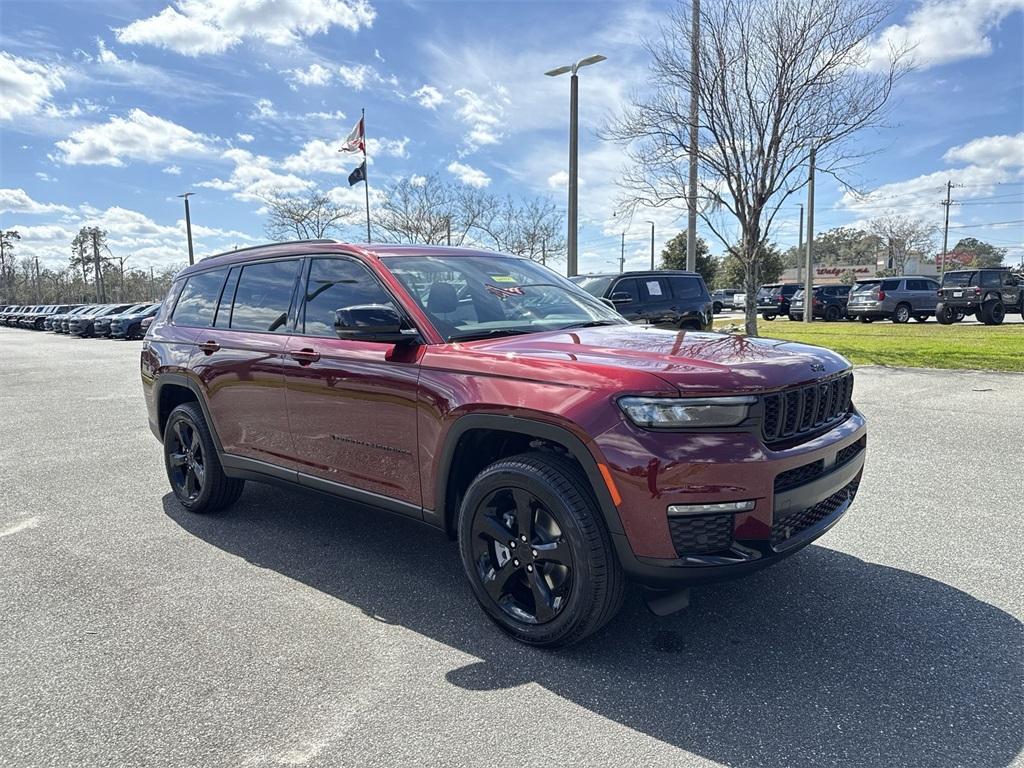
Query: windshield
{"points": [[473, 297], [958, 278], [595, 285]]}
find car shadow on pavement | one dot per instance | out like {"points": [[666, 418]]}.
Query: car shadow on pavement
{"points": [[821, 660]]}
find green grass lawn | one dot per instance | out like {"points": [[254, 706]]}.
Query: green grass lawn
{"points": [[927, 345]]}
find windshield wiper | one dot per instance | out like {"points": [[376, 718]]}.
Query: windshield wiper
{"points": [[589, 324], [489, 334]]}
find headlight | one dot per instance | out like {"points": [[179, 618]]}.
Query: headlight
{"points": [[686, 412]]}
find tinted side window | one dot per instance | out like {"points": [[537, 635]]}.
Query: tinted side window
{"points": [[627, 286], [653, 289], [227, 297], [990, 279], [842, 290], [916, 285], [198, 300], [334, 284], [263, 296], [891, 285], [931, 285], [789, 290], [685, 287]]}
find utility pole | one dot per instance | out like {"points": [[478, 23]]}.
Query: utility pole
{"points": [[691, 220], [152, 284], [38, 300], [101, 291], [809, 277], [800, 247], [652, 244], [945, 228], [622, 255], [188, 227]]}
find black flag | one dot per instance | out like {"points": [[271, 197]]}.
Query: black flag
{"points": [[359, 174]]}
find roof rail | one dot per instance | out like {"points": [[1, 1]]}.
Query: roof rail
{"points": [[268, 245]]}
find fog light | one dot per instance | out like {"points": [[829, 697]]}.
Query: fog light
{"points": [[710, 509]]}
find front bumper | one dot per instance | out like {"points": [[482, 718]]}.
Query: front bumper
{"points": [[798, 493]]}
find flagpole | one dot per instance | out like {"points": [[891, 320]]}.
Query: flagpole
{"points": [[366, 182]]}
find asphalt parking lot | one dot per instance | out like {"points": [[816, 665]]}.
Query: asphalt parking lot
{"points": [[292, 630]]}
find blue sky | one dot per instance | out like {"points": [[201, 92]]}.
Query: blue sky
{"points": [[108, 110]]}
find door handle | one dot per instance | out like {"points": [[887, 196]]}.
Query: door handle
{"points": [[209, 347], [305, 356]]}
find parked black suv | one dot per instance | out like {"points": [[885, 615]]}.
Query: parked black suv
{"points": [[773, 300], [987, 293], [828, 302], [664, 297]]}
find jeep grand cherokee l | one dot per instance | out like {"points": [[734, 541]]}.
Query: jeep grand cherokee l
{"points": [[563, 447]]}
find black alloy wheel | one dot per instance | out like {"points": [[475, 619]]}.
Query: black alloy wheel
{"points": [[833, 313], [193, 466], [185, 460], [944, 315], [521, 558], [536, 550]]}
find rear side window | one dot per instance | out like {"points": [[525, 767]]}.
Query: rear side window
{"points": [[917, 285], [263, 296], [653, 289], [990, 279], [686, 287], [891, 285], [198, 300], [335, 284], [227, 297], [789, 290]]}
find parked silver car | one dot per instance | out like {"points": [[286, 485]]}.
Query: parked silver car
{"points": [[894, 298]]}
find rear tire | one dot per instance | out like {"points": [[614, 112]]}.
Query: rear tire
{"points": [[945, 315], [563, 582], [193, 466], [832, 313], [992, 312], [901, 314]]}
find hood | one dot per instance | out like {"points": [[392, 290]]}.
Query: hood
{"points": [[691, 361]]}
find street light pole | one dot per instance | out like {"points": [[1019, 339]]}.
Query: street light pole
{"points": [[648, 221], [691, 218], [809, 277], [188, 227], [572, 266]]}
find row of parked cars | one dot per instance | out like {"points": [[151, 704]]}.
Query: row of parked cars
{"points": [[118, 321], [988, 294]]}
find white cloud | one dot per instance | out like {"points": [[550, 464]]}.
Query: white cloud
{"points": [[44, 176], [467, 174], [18, 201], [264, 108], [140, 136], [172, 170], [315, 74], [196, 27], [320, 156], [428, 96], [254, 177], [26, 86], [991, 161], [356, 76], [483, 115], [417, 180], [942, 31], [245, 138], [558, 180], [997, 151]]}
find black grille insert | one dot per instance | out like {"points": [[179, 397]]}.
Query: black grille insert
{"points": [[799, 411], [792, 478], [701, 534], [792, 523]]}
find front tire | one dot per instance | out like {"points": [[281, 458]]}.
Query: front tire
{"points": [[833, 314], [536, 552], [193, 466], [992, 312]]}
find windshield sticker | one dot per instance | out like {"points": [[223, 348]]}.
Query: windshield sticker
{"points": [[503, 278], [504, 293], [653, 288]]}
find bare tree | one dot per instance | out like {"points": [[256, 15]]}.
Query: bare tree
{"points": [[903, 236], [533, 228], [432, 211], [305, 216], [778, 80]]}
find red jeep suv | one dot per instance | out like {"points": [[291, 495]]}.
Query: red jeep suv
{"points": [[483, 394]]}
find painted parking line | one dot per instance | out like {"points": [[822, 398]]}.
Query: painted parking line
{"points": [[24, 525]]}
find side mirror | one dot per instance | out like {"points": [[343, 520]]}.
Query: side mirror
{"points": [[371, 322], [146, 322], [621, 297], [608, 301]]}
